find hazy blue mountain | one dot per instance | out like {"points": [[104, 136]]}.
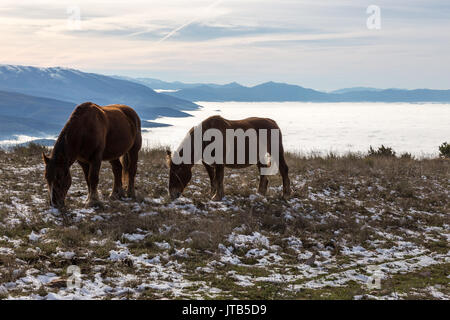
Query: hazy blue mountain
{"points": [[77, 87], [272, 91], [394, 95], [42, 109], [151, 124], [33, 116], [22, 114], [168, 112], [156, 84], [355, 89], [10, 126]]}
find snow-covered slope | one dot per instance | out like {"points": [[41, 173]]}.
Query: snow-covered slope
{"points": [[77, 87]]}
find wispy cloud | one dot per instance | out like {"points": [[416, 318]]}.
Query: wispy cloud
{"points": [[318, 44]]}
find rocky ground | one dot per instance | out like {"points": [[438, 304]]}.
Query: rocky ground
{"points": [[356, 227]]}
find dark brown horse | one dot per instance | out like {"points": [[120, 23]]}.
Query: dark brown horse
{"points": [[91, 135], [180, 173]]}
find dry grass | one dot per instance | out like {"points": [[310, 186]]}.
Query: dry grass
{"points": [[378, 203]]}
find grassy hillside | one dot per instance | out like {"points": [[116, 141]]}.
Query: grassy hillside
{"points": [[345, 215]]}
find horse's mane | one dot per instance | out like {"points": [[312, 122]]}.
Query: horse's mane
{"points": [[59, 149]]}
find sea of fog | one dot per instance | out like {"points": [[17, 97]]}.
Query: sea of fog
{"points": [[323, 127]]}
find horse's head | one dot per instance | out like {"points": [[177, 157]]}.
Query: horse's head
{"points": [[179, 176], [58, 178]]}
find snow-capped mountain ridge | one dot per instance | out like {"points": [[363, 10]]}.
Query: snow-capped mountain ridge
{"points": [[76, 86]]}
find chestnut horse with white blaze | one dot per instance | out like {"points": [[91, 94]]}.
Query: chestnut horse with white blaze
{"points": [[91, 135], [180, 172]]}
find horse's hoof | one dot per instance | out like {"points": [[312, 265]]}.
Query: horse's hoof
{"points": [[94, 204], [131, 195], [116, 196], [262, 193], [286, 195], [217, 198]]}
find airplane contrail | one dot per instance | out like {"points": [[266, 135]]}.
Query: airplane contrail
{"points": [[205, 10]]}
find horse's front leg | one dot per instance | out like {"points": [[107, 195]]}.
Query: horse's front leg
{"points": [[93, 179], [117, 192], [85, 167], [218, 179]]}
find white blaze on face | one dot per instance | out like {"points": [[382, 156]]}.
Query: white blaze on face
{"points": [[268, 159]]}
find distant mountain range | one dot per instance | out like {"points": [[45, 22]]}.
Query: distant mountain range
{"points": [[269, 91], [38, 101], [278, 92], [355, 89], [163, 85], [22, 114], [77, 87]]}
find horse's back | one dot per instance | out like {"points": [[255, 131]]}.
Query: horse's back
{"points": [[117, 111], [257, 123], [113, 116], [261, 123], [124, 129], [115, 129]]}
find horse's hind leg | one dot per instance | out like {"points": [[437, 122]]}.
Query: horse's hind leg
{"points": [[218, 180], [284, 172], [117, 192], [211, 174], [125, 162], [131, 161], [263, 182]]}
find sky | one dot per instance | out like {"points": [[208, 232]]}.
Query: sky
{"points": [[319, 44]]}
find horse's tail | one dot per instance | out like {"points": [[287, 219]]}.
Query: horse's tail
{"points": [[138, 125], [126, 161]]}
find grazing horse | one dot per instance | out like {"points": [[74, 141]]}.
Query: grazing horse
{"points": [[180, 173], [91, 135]]}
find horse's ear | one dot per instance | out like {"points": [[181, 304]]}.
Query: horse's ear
{"points": [[45, 158], [168, 158]]}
